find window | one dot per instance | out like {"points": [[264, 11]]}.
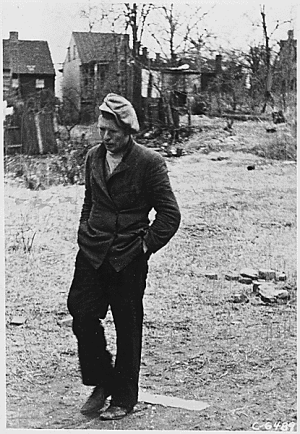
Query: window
{"points": [[74, 51], [39, 83], [102, 71], [69, 55], [15, 83]]}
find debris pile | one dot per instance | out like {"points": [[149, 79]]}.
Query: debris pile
{"points": [[267, 284], [270, 285]]}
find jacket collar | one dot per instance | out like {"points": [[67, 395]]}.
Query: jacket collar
{"points": [[98, 164], [102, 149]]}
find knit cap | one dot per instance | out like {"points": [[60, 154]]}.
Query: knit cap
{"points": [[122, 110]]}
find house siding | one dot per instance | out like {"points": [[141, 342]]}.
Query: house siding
{"points": [[6, 83], [27, 83], [288, 62], [96, 66], [71, 87], [27, 61]]}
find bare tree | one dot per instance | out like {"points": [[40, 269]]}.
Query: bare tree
{"points": [[135, 18], [69, 113], [95, 14], [177, 28], [177, 31], [268, 75], [269, 56]]}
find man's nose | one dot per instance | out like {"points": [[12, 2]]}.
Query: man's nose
{"points": [[105, 135]]}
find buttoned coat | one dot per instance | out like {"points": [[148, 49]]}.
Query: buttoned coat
{"points": [[115, 213]]}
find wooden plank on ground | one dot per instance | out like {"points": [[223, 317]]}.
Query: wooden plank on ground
{"points": [[171, 401]]}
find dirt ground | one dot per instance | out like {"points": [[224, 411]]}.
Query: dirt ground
{"points": [[240, 358]]}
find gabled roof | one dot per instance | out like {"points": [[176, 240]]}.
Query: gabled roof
{"points": [[97, 46], [27, 57]]}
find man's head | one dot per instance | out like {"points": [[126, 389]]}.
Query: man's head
{"points": [[116, 122]]}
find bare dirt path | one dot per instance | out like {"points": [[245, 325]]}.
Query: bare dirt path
{"points": [[240, 358]]}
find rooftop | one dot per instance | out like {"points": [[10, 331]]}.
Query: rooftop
{"points": [[27, 57], [93, 46]]}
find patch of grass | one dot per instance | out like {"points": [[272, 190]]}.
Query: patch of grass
{"points": [[240, 358], [249, 136], [207, 135], [43, 171], [280, 145]]}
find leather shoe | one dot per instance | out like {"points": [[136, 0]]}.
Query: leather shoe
{"points": [[114, 412], [95, 402]]}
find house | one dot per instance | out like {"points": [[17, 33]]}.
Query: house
{"points": [[186, 78], [288, 62], [180, 85], [95, 64], [28, 88], [27, 68]]}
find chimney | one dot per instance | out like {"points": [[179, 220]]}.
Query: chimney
{"points": [[157, 57], [290, 35], [218, 65], [14, 52], [13, 36]]}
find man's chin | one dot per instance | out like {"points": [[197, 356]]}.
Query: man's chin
{"points": [[110, 148]]}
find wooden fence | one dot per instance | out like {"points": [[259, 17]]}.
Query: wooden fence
{"points": [[30, 133]]}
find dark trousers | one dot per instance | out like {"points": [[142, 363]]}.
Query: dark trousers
{"points": [[91, 293]]}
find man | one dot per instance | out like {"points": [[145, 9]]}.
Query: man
{"points": [[123, 182]]}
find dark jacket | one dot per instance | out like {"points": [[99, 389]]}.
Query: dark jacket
{"points": [[114, 218]]}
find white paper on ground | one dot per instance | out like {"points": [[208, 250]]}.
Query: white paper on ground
{"points": [[170, 401]]}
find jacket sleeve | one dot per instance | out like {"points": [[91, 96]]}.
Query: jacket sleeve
{"points": [[162, 199], [87, 202]]}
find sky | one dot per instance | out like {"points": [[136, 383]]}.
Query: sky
{"points": [[53, 21]]}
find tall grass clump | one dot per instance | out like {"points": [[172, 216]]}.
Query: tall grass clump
{"points": [[42, 171], [280, 146]]}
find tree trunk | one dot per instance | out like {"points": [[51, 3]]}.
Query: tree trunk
{"points": [[268, 78]]}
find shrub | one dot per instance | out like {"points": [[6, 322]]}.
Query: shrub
{"points": [[42, 171]]}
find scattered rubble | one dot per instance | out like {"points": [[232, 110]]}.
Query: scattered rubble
{"points": [[256, 284], [265, 285], [249, 272], [267, 274], [239, 298], [18, 320], [245, 280], [219, 158], [281, 277], [232, 277], [270, 294], [212, 276]]}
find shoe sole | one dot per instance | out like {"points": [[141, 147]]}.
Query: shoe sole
{"points": [[115, 418]]}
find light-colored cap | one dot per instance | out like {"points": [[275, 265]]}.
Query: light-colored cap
{"points": [[122, 110]]}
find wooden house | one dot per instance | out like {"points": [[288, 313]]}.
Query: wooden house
{"points": [[179, 87], [27, 68], [95, 64], [28, 90], [288, 62]]}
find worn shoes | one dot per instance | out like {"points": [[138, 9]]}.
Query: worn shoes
{"points": [[114, 412], [95, 402]]}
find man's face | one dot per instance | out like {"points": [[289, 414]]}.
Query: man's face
{"points": [[114, 137]]}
